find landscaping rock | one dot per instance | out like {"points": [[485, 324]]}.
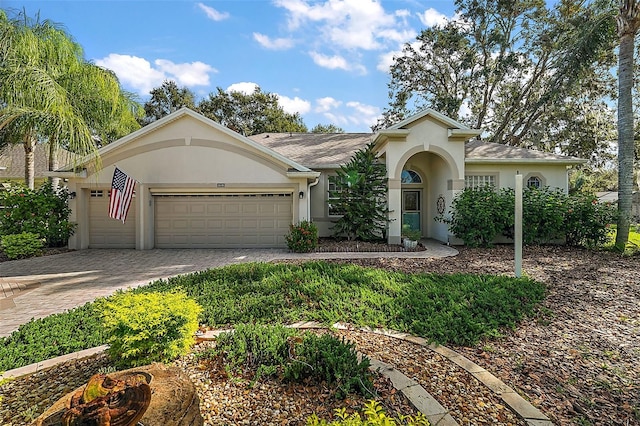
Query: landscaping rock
{"points": [[174, 401]]}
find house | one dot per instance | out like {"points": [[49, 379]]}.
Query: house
{"points": [[12, 163], [201, 185]]}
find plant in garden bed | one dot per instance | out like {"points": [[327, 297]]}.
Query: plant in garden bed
{"points": [[259, 351], [149, 327], [303, 237], [374, 415], [43, 211], [20, 246]]}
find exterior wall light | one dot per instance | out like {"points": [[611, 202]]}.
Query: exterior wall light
{"points": [[301, 195]]}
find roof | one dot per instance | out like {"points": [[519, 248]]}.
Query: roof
{"points": [[489, 152], [315, 150], [12, 157]]}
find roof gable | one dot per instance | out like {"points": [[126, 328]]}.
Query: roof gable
{"points": [[428, 112], [201, 119]]}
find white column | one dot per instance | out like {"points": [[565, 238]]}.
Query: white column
{"points": [[518, 226]]}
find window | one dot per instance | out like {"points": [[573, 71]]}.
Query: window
{"points": [[333, 191], [479, 181], [409, 176], [534, 182], [97, 194]]}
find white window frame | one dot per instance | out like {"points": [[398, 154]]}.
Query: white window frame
{"points": [[541, 180], [331, 187], [479, 180]]}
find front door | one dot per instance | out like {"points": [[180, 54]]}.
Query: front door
{"points": [[411, 202]]}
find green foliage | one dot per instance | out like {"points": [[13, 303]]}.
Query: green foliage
{"points": [[20, 246], [479, 216], [253, 348], [457, 309], [43, 211], [149, 327], [58, 334], [277, 350], [586, 221], [412, 234], [374, 415], [327, 128], [303, 237], [360, 196], [250, 114], [325, 358], [166, 99]]}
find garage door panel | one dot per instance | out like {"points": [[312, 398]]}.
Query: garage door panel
{"points": [[222, 221], [105, 232]]}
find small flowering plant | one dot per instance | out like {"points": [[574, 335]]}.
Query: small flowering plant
{"points": [[303, 237]]}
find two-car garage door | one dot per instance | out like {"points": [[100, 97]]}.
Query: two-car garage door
{"points": [[222, 221]]}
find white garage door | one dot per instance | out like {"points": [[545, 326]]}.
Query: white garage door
{"points": [[105, 232], [222, 221]]}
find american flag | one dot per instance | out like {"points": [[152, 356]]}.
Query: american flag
{"points": [[122, 188]]}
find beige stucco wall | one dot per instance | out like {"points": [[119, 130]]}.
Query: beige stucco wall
{"points": [[184, 156], [553, 175]]}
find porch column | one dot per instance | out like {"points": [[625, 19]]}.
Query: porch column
{"points": [[395, 211]]}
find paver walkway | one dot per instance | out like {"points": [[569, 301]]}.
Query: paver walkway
{"points": [[41, 286]]}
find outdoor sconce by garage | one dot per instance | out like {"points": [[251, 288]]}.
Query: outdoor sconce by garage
{"points": [[72, 195], [301, 195]]}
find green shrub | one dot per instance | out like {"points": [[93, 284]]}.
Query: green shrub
{"points": [[326, 358], [254, 348], [52, 336], [374, 415], [20, 246], [276, 350], [303, 237], [149, 327], [587, 221], [478, 216], [42, 211]]}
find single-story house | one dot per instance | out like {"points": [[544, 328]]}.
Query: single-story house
{"points": [[201, 185], [12, 162]]}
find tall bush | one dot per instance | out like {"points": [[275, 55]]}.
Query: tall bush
{"points": [[361, 197], [43, 211], [479, 216]]}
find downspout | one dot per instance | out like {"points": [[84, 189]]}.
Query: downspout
{"points": [[314, 183]]}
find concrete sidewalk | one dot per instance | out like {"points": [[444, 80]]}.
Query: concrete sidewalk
{"points": [[41, 286]]}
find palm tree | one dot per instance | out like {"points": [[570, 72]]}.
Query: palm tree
{"points": [[49, 92], [628, 20]]}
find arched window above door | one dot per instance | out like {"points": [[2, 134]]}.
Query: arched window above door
{"points": [[410, 176]]}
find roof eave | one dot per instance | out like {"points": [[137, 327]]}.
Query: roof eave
{"points": [[525, 160], [303, 174]]}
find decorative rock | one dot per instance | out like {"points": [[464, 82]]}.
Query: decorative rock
{"points": [[174, 400]]}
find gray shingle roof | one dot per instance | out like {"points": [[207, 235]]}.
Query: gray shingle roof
{"points": [[12, 157], [315, 150], [326, 150], [483, 152]]}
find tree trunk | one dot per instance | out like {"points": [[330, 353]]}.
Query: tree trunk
{"points": [[53, 162], [627, 27], [29, 160]]}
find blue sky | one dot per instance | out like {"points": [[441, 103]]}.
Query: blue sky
{"points": [[327, 60]]}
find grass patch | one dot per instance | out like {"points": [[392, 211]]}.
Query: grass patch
{"points": [[448, 309], [633, 244]]}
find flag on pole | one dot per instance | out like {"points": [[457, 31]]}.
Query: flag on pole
{"points": [[122, 187]]}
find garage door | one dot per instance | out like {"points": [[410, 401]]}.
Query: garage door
{"points": [[222, 221], [105, 232]]}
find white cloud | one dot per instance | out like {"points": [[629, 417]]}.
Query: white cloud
{"points": [[213, 14], [363, 114], [273, 44], [347, 24], [326, 104], [186, 74], [247, 88], [293, 105], [431, 17], [138, 73], [336, 62]]}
